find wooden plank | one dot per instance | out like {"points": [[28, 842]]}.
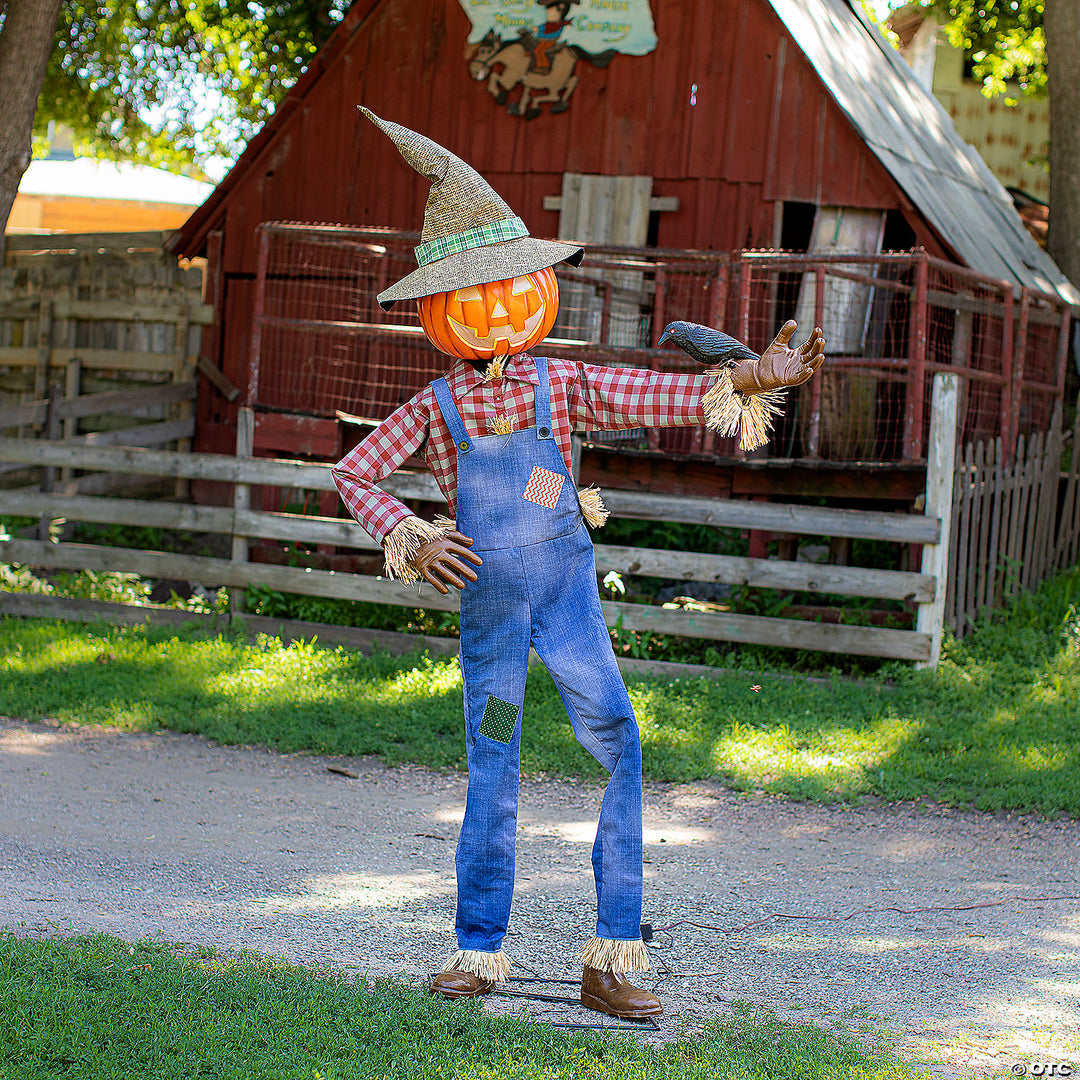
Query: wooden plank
{"points": [[763, 630], [995, 467], [1047, 485], [657, 203], [26, 605], [113, 401], [1009, 513], [98, 359], [19, 356], [167, 463], [1032, 472], [342, 532], [89, 242], [143, 435], [951, 617], [787, 633], [1018, 520], [42, 352], [725, 513], [765, 573], [31, 412], [972, 464], [929, 620], [229, 390], [773, 517], [245, 446], [108, 311], [1070, 528]]}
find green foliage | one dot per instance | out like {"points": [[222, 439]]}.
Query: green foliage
{"points": [[1004, 39], [91, 1008], [126, 74], [997, 727]]}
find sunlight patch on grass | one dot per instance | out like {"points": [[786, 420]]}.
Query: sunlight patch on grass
{"points": [[834, 762], [422, 681]]}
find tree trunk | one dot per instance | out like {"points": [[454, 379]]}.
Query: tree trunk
{"points": [[1062, 25], [26, 40]]}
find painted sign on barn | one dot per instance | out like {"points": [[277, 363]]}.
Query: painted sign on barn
{"points": [[512, 44]]}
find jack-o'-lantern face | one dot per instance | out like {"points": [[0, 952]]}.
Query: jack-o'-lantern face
{"points": [[498, 318]]}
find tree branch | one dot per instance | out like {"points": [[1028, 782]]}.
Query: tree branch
{"points": [[26, 41]]}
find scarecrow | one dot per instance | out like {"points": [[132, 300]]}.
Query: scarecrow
{"points": [[495, 432]]}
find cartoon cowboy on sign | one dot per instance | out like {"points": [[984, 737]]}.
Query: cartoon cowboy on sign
{"points": [[495, 431]]}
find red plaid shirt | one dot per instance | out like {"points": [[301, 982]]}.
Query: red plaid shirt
{"points": [[583, 398]]}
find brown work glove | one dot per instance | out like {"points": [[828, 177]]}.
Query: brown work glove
{"points": [[779, 365], [440, 560]]}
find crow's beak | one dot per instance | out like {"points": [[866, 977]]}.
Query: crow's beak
{"points": [[665, 336]]}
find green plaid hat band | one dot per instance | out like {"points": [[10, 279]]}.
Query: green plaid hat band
{"points": [[506, 229]]}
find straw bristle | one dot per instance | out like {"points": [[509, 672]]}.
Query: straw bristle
{"points": [[727, 412], [403, 542], [490, 966], [605, 954], [502, 425], [494, 370], [592, 507]]}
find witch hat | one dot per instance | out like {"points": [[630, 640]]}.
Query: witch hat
{"points": [[470, 235]]}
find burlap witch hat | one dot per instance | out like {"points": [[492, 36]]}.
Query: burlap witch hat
{"points": [[470, 235]]}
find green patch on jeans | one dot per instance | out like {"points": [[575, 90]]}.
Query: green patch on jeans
{"points": [[500, 719]]}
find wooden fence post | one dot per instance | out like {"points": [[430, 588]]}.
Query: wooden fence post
{"points": [[941, 456], [245, 446]]}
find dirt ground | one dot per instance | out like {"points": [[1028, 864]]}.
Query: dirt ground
{"points": [[169, 835]]}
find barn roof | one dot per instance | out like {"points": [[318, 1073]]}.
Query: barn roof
{"points": [[913, 136]]}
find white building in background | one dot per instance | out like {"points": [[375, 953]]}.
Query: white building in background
{"points": [[65, 193], [1012, 139]]}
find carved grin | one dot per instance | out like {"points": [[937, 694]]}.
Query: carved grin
{"points": [[512, 337]]}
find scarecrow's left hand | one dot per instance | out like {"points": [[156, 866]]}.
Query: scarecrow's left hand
{"points": [[440, 560], [780, 365]]}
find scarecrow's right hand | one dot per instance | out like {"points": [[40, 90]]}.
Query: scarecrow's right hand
{"points": [[440, 561]]}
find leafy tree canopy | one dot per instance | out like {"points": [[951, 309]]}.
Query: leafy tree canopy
{"points": [[1004, 38], [177, 81]]}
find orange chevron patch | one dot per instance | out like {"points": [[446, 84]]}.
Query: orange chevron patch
{"points": [[544, 487]]}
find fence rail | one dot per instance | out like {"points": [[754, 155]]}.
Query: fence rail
{"points": [[243, 523]]}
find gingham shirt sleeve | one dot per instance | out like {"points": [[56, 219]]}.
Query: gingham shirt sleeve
{"points": [[397, 438], [610, 398]]}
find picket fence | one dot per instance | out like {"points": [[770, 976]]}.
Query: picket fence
{"points": [[1015, 520]]}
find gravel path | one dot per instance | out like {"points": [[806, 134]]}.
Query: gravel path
{"points": [[239, 848]]}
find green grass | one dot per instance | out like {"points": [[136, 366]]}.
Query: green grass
{"points": [[100, 1009], [997, 727]]}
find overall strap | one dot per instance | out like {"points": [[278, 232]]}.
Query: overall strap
{"points": [[445, 400], [543, 400]]}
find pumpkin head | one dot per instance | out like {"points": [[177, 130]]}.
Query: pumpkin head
{"points": [[498, 318]]}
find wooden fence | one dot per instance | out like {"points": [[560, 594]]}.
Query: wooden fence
{"points": [[242, 523], [1015, 521], [99, 336]]}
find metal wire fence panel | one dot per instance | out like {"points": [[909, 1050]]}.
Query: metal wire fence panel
{"points": [[321, 345]]}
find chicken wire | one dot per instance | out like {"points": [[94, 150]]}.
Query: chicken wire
{"points": [[320, 344]]}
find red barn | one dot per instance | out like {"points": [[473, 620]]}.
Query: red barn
{"points": [[752, 124]]}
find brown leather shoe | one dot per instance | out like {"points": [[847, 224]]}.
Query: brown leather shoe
{"points": [[460, 984], [609, 993]]}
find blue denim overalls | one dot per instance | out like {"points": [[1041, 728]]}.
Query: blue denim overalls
{"points": [[537, 586]]}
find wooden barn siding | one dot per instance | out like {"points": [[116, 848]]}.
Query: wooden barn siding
{"points": [[783, 138], [763, 130]]}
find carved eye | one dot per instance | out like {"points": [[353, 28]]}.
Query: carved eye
{"points": [[498, 318]]}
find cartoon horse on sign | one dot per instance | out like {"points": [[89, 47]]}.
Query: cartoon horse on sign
{"points": [[506, 65]]}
